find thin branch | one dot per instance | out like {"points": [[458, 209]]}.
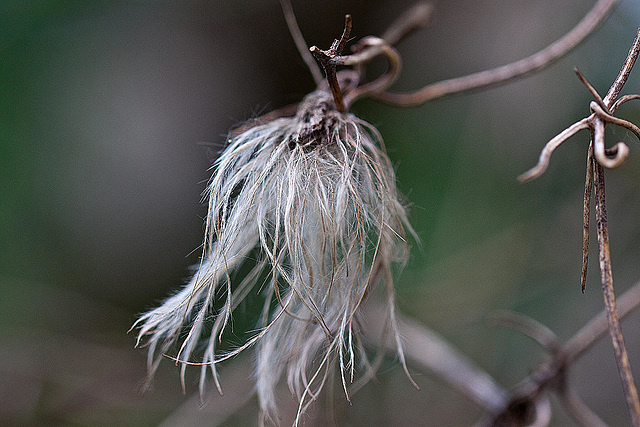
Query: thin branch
{"points": [[586, 212], [602, 110], [382, 82], [615, 330], [598, 159], [591, 89], [427, 349], [325, 57], [597, 327], [552, 373], [608, 118], [623, 75], [578, 409], [298, 39], [622, 100], [503, 74], [415, 18], [619, 348], [529, 327]]}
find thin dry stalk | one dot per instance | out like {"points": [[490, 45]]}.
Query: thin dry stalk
{"points": [[606, 277], [622, 358], [597, 159], [552, 375], [586, 213], [514, 70], [330, 68], [578, 409], [298, 39], [426, 349]]}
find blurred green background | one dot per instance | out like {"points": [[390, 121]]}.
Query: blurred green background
{"points": [[103, 110]]}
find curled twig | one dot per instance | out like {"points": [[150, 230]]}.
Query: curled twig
{"points": [[601, 116], [597, 159]]}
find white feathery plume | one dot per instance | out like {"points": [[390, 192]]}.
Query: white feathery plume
{"points": [[313, 198]]}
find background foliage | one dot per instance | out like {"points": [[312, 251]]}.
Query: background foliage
{"points": [[103, 106]]}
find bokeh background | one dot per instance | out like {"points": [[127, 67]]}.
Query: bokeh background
{"points": [[108, 114]]}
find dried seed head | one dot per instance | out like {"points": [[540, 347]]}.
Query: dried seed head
{"points": [[314, 196]]}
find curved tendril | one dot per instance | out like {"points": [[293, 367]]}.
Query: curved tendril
{"points": [[599, 149], [365, 56], [604, 115], [545, 155]]}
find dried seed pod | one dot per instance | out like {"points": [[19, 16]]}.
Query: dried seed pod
{"points": [[313, 197]]}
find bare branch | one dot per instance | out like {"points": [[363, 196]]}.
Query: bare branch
{"points": [[551, 375], [601, 116], [298, 39], [622, 100], [578, 409], [325, 57], [598, 159], [619, 348], [608, 118], [428, 350], [508, 72], [415, 18], [623, 75], [591, 89], [597, 327], [529, 327], [382, 82]]}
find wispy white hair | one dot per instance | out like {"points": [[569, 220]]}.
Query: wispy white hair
{"points": [[312, 201]]}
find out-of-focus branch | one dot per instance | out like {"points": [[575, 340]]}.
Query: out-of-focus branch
{"points": [[428, 350], [508, 72], [552, 374]]}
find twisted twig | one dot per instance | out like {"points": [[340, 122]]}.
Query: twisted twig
{"points": [[598, 159]]}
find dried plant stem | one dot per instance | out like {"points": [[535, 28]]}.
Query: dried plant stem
{"points": [[598, 158], [590, 333], [324, 57], [298, 39], [578, 409], [623, 75], [552, 374], [622, 357], [606, 277], [508, 72], [426, 349], [586, 212]]}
